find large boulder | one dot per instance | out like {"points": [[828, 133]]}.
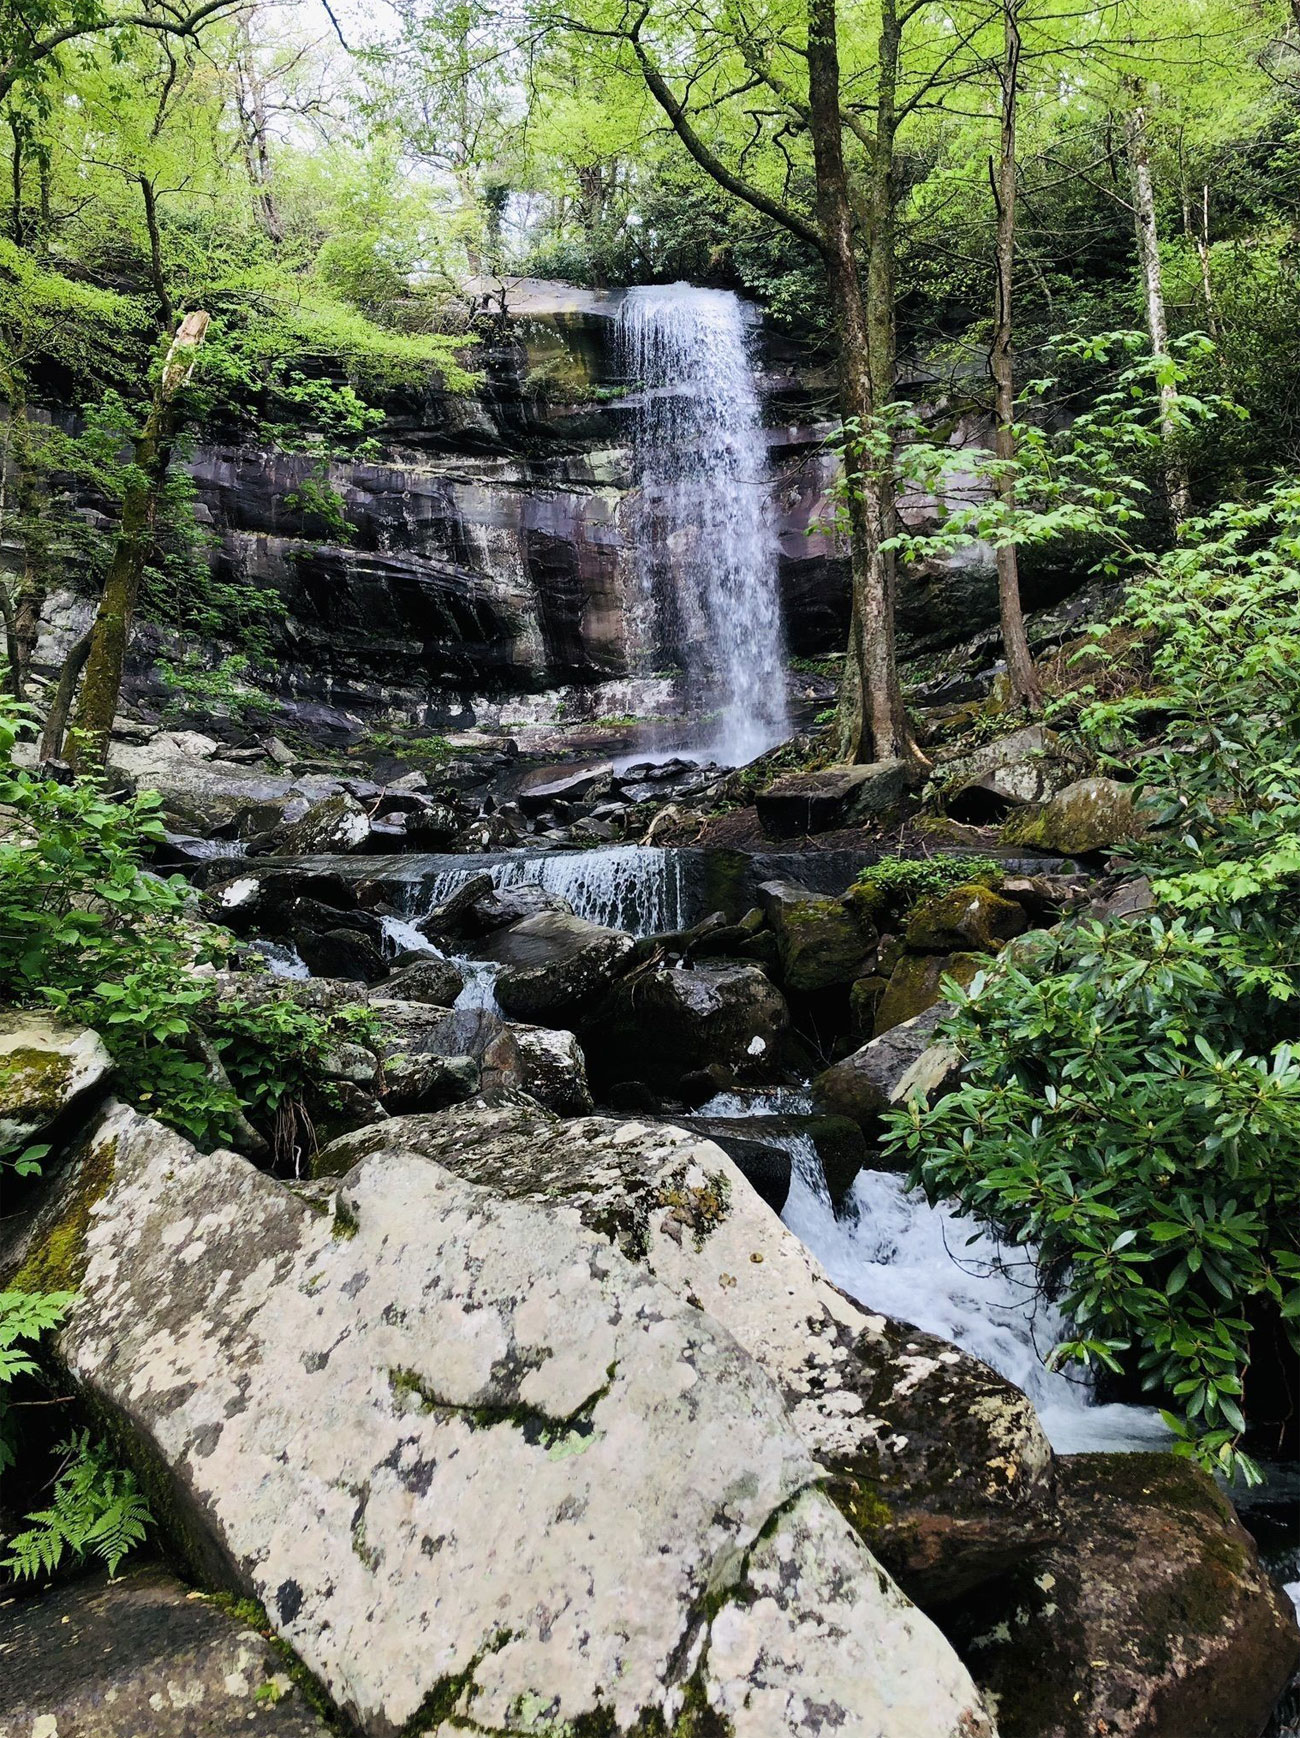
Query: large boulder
{"points": [[1025, 766], [46, 1067], [1089, 815], [964, 917], [141, 1654], [540, 790], [940, 1463], [661, 1025], [909, 1058], [837, 796], [336, 826], [438, 981], [554, 966], [916, 984], [821, 941], [1149, 1616], [479, 1466]]}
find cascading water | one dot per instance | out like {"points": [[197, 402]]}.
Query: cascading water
{"points": [[622, 886], [894, 1252], [706, 538]]}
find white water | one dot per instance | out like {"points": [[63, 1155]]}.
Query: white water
{"points": [[706, 534], [895, 1253], [622, 886]]}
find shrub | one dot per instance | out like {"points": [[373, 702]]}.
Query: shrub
{"points": [[901, 882], [1131, 1100]]}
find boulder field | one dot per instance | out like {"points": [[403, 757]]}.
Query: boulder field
{"points": [[504, 1422]]}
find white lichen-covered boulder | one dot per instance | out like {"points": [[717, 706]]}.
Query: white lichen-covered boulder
{"points": [[484, 1472], [939, 1462], [46, 1066]]}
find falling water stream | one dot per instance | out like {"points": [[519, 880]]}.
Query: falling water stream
{"points": [[705, 533]]}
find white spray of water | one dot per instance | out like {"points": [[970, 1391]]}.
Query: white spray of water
{"points": [[624, 886], [895, 1253], [706, 536]]}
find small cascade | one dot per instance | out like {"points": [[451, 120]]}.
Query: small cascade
{"points": [[623, 886], [894, 1252], [706, 536]]}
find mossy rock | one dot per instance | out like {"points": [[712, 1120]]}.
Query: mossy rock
{"points": [[916, 984], [970, 916], [1148, 1617], [46, 1066], [821, 942], [1090, 815]]}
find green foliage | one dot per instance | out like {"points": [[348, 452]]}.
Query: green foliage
{"points": [[1131, 1100], [900, 882], [96, 1511], [24, 1317], [87, 929]]}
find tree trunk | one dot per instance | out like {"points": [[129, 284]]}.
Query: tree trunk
{"points": [[1020, 665], [872, 721], [56, 719], [1148, 245], [102, 683]]}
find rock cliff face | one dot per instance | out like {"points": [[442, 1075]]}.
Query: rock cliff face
{"points": [[492, 551], [491, 559]]}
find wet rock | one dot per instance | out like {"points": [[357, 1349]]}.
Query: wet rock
{"points": [[428, 980], [838, 796], [1024, 767], [964, 917], [337, 826], [1089, 815], [508, 1424], [916, 983], [447, 921], [939, 1462], [553, 1069], [1149, 1617], [554, 966], [502, 906], [341, 953], [886, 1071], [820, 942], [543, 789], [661, 1025], [141, 1654], [47, 1066]]}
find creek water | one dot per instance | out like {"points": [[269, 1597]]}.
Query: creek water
{"points": [[705, 530]]}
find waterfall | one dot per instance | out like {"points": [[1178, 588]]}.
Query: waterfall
{"points": [[706, 537], [628, 887]]}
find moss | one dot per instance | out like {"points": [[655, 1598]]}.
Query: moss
{"points": [[33, 1080], [252, 1614], [862, 1506], [560, 1437], [439, 1704], [701, 1209], [346, 1224], [57, 1258]]}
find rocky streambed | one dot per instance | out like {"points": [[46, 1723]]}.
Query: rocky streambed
{"points": [[586, 1372]]}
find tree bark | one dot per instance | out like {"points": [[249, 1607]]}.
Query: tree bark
{"points": [[56, 719], [102, 682], [1020, 665], [872, 721], [1148, 246]]}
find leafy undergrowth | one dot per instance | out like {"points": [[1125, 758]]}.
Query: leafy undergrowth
{"points": [[88, 932], [1131, 1092]]}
